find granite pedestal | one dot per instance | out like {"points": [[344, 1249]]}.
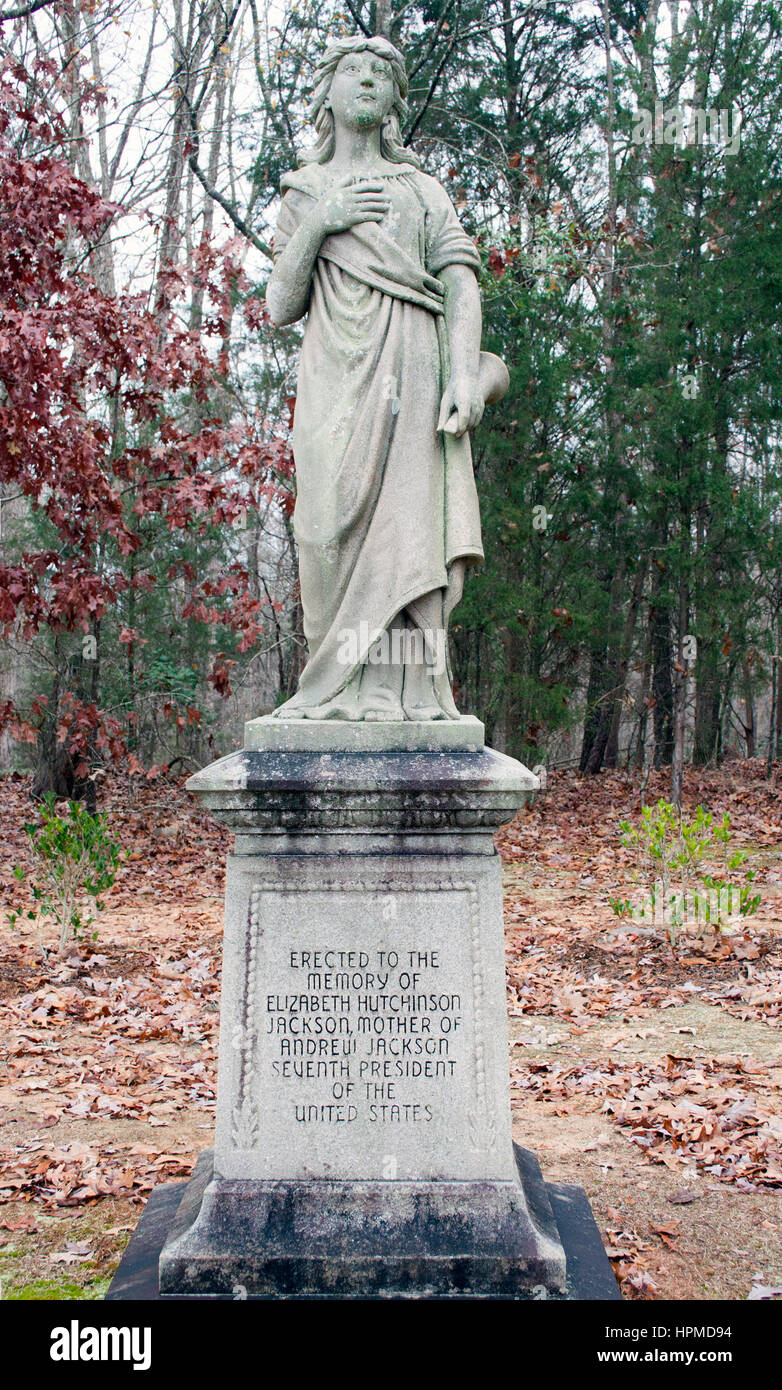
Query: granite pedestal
{"points": [[363, 1139]]}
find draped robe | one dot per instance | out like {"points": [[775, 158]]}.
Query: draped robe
{"points": [[384, 503]]}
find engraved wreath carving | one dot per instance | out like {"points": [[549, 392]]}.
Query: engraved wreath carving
{"points": [[244, 1120]]}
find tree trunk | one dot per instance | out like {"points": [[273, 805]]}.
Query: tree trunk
{"points": [[749, 709], [778, 721], [612, 746], [680, 701], [772, 719], [662, 687], [707, 709], [595, 688]]}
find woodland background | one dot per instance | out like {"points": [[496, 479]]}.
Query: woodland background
{"points": [[629, 609]]}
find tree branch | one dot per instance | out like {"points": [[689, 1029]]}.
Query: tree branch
{"points": [[432, 88], [424, 59], [231, 212], [222, 38], [359, 21], [22, 10]]}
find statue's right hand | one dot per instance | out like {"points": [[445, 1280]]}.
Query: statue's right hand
{"points": [[348, 203]]}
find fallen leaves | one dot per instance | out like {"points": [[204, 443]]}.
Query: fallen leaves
{"points": [[76, 1173], [641, 1283], [628, 1254], [575, 971], [763, 1291], [109, 1050], [668, 1235], [75, 1252], [106, 1035], [24, 1223], [706, 1113]]}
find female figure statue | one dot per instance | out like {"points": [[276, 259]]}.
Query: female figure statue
{"points": [[391, 379]]}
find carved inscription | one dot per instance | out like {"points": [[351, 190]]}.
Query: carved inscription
{"points": [[370, 1024]]}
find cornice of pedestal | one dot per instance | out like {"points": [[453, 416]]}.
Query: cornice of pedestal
{"points": [[280, 789]]}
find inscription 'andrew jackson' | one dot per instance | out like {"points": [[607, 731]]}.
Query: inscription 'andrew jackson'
{"points": [[376, 1027]]}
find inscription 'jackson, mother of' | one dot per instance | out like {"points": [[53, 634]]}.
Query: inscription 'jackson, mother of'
{"points": [[391, 379]]}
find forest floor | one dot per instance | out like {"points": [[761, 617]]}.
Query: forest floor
{"points": [[650, 1075]]}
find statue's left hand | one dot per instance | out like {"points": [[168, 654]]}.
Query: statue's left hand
{"points": [[463, 396]]}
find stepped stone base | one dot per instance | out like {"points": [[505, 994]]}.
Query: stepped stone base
{"points": [[363, 1138], [590, 1277], [364, 1239]]}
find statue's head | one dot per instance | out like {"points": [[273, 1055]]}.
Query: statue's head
{"points": [[322, 116]]}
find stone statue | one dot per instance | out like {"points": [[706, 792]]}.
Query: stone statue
{"points": [[363, 1141], [391, 380]]}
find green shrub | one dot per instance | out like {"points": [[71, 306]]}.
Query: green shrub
{"points": [[75, 860], [671, 850]]}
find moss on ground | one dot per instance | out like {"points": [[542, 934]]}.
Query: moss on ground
{"points": [[50, 1289]]}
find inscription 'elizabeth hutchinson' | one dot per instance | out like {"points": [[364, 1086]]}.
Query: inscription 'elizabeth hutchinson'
{"points": [[373, 1027]]}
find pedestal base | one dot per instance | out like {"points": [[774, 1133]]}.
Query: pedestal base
{"points": [[364, 1239], [589, 1274], [363, 1132]]}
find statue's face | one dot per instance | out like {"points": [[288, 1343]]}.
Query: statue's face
{"points": [[362, 91]]}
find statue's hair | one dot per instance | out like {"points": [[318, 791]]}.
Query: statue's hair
{"points": [[391, 146]]}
